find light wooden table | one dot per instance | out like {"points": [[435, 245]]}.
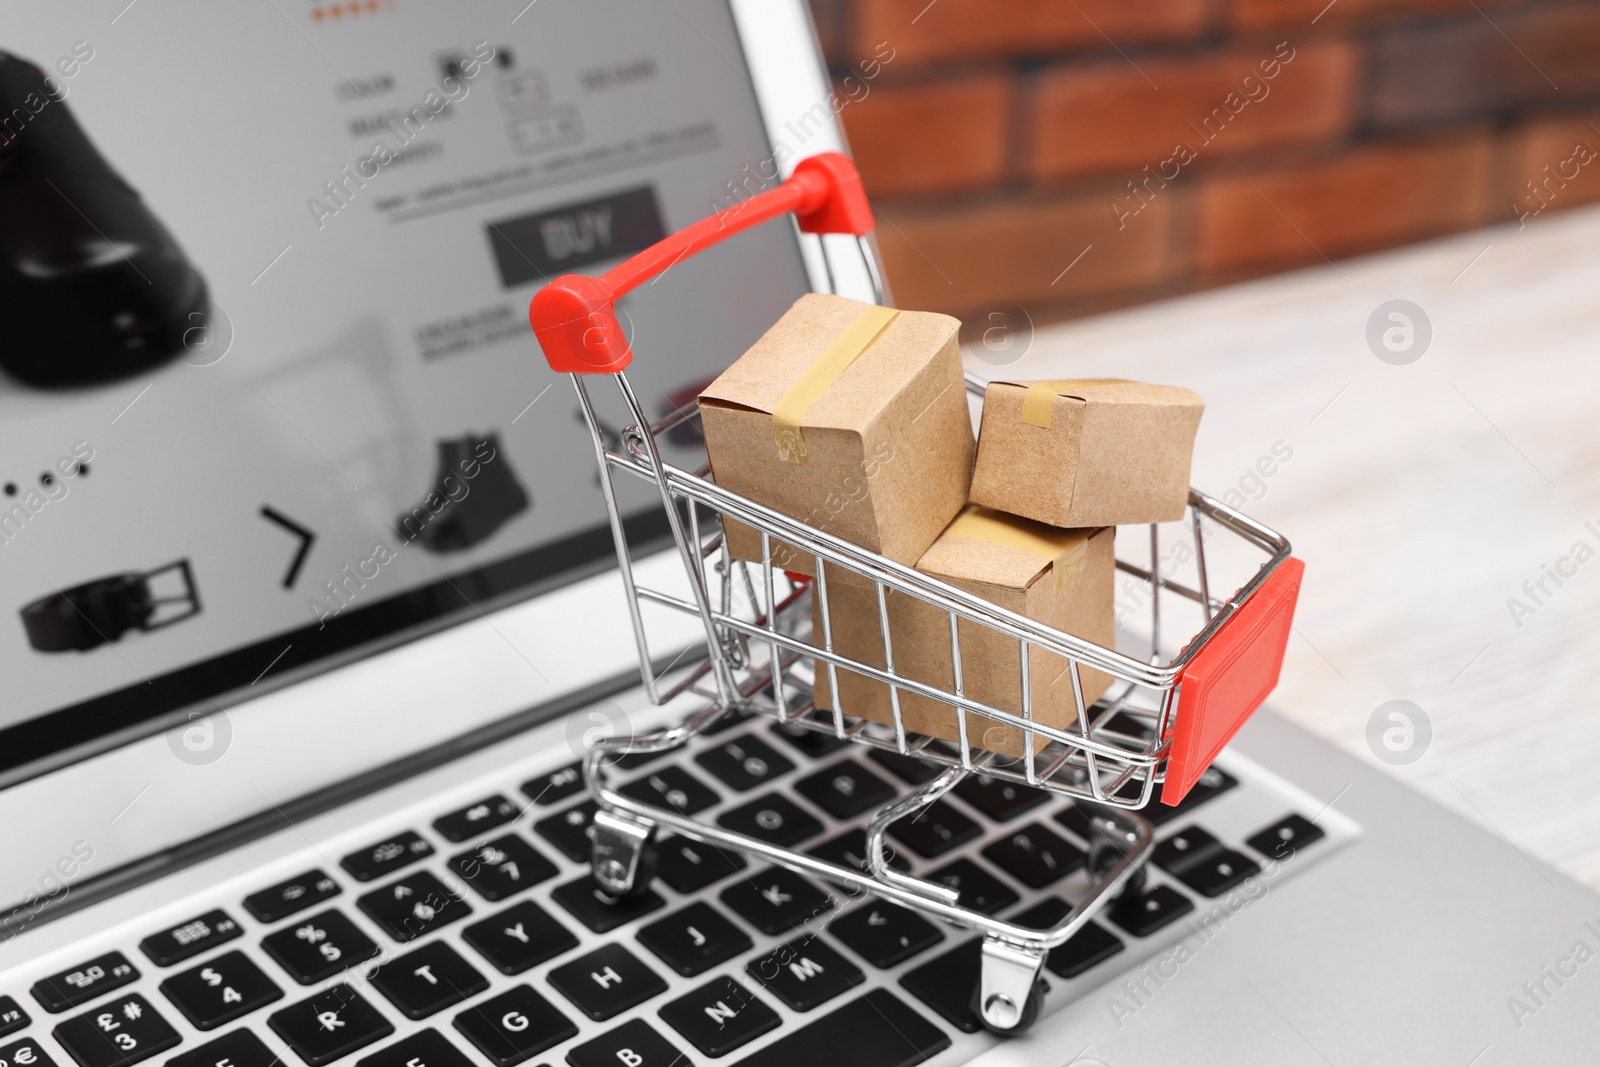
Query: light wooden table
{"points": [[1421, 496]]}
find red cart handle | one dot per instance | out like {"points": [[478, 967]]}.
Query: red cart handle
{"points": [[575, 316]]}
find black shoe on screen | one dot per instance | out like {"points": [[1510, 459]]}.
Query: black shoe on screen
{"points": [[92, 286]]}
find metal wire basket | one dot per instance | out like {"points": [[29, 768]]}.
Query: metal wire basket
{"points": [[1161, 725]]}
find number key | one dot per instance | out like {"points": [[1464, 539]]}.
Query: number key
{"points": [[502, 867], [220, 991], [320, 946], [117, 1033]]}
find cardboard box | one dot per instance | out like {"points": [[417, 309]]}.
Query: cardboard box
{"points": [[1095, 452], [1062, 578], [851, 418]]}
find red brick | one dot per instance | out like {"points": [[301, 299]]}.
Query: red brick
{"points": [[938, 137], [1372, 198], [1547, 169], [1110, 116], [1256, 14], [921, 31], [829, 18], [1469, 68], [958, 260]]}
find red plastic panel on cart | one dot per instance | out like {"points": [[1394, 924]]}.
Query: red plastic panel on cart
{"points": [[1229, 678]]}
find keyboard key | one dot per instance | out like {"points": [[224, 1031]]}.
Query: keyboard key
{"points": [[849, 849], [1184, 849], [979, 889], [673, 788], [119, 1032], [425, 1048], [688, 866], [1092, 943], [722, 1015], [907, 768], [998, 798], [606, 982], [319, 947], [186, 940], [1075, 819], [845, 789], [25, 1053], [334, 1023], [731, 719], [937, 829], [600, 912], [522, 936], [1220, 872], [556, 786], [474, 819], [1212, 784], [884, 934], [516, 1025], [428, 980], [238, 1049], [805, 973], [633, 1044], [296, 894], [569, 830], [774, 819], [745, 762], [1144, 913], [83, 983], [813, 743], [502, 867], [876, 1030], [1284, 838], [387, 856], [776, 900], [12, 1017], [413, 905], [220, 990], [947, 983], [1035, 856], [694, 939]]}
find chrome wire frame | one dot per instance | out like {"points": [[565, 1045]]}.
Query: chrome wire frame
{"points": [[1097, 758]]}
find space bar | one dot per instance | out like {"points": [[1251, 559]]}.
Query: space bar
{"points": [[875, 1031]]}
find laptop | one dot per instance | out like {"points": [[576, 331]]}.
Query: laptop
{"points": [[317, 612]]}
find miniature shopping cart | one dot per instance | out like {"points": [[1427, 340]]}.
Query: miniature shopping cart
{"points": [[1161, 725]]}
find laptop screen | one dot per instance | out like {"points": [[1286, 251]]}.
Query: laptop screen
{"points": [[268, 396]]}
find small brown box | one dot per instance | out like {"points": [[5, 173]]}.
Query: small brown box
{"points": [[1096, 452], [1062, 578], [851, 418]]}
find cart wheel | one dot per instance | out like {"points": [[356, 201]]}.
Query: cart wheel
{"points": [[1103, 856], [1030, 1011]]}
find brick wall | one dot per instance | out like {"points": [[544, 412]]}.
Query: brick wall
{"points": [[1076, 155]]}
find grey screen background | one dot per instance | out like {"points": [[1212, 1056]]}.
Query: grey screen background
{"points": [[353, 337]]}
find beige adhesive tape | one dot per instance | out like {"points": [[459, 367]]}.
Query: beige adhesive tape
{"points": [[1065, 549], [791, 410], [1040, 398]]}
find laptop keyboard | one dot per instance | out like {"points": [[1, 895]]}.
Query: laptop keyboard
{"points": [[475, 937]]}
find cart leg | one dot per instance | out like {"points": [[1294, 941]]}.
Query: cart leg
{"points": [[623, 853], [1009, 989]]}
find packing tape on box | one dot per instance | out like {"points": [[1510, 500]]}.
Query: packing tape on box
{"points": [[791, 410], [1065, 549], [1040, 399]]}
